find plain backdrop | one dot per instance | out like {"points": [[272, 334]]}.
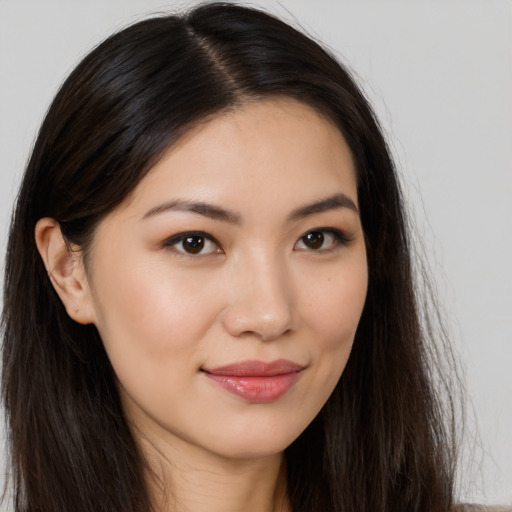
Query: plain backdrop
{"points": [[439, 74]]}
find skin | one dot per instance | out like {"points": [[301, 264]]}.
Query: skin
{"points": [[256, 290]]}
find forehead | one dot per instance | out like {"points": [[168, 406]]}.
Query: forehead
{"points": [[277, 152]]}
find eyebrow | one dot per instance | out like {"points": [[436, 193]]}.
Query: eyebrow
{"points": [[218, 213], [206, 209], [329, 203]]}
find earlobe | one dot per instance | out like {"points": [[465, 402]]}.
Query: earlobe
{"points": [[66, 270]]}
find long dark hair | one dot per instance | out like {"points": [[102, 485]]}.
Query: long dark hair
{"points": [[384, 440]]}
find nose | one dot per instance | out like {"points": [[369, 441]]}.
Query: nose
{"points": [[261, 300]]}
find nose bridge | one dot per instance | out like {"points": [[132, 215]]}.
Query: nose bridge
{"points": [[262, 296]]}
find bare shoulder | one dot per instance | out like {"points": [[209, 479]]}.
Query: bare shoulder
{"points": [[463, 507]]}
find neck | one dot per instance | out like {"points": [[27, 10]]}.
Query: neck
{"points": [[187, 479]]}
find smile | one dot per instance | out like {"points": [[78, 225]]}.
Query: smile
{"points": [[256, 381]]}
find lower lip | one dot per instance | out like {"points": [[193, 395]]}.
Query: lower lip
{"points": [[256, 389]]}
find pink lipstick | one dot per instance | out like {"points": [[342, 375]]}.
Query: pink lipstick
{"points": [[256, 381]]}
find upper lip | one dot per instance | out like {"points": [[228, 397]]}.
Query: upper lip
{"points": [[255, 368]]}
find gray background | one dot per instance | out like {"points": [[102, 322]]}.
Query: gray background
{"points": [[439, 74]]}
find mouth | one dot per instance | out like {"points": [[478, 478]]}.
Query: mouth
{"points": [[256, 381]]}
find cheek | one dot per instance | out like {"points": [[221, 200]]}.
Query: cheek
{"points": [[332, 314], [334, 308], [153, 323], [151, 311]]}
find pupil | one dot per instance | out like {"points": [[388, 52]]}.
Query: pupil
{"points": [[314, 240], [193, 244]]}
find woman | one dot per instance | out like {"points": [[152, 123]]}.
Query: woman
{"points": [[208, 226]]}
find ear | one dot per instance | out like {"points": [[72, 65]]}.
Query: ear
{"points": [[66, 270]]}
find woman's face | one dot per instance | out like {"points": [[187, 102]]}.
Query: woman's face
{"points": [[227, 289]]}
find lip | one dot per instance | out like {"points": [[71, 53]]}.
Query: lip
{"points": [[256, 381]]}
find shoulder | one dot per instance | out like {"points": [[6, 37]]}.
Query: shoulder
{"points": [[463, 507]]}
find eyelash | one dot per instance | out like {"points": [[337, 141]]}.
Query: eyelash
{"points": [[339, 239], [181, 237]]}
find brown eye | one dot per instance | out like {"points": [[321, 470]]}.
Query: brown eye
{"points": [[314, 239], [193, 244], [321, 240]]}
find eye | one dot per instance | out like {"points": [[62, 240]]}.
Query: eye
{"points": [[321, 240], [193, 243]]}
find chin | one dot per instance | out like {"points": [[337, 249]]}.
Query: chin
{"points": [[255, 442], [250, 451]]}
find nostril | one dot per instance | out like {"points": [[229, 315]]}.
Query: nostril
{"points": [[261, 301], [247, 320]]}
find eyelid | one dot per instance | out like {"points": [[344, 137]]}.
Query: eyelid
{"points": [[341, 238], [179, 237]]}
